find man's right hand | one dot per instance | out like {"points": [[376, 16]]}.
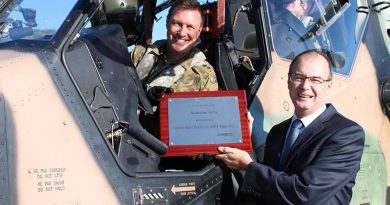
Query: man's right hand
{"points": [[155, 93], [234, 158]]}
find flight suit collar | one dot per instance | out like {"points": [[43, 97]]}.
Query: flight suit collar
{"points": [[195, 56]]}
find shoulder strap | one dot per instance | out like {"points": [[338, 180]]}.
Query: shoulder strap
{"points": [[148, 60], [167, 75]]}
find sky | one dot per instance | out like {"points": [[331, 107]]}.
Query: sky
{"points": [[159, 26]]}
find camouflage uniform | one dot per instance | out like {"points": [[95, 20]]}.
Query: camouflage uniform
{"points": [[193, 73]]}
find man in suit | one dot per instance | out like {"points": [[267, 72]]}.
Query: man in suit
{"points": [[321, 165]]}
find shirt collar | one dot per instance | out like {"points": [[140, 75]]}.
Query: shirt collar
{"points": [[191, 59], [310, 118], [160, 51]]}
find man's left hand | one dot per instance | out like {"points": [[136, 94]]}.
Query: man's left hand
{"points": [[155, 93]]}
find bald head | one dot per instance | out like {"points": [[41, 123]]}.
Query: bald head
{"points": [[309, 54]]}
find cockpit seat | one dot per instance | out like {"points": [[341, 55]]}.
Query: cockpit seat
{"points": [[100, 64]]}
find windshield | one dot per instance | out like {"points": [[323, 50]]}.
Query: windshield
{"points": [[301, 25], [33, 19]]}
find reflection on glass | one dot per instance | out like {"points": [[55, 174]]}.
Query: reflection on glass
{"points": [[33, 19], [321, 24]]}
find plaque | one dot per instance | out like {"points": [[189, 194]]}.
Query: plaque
{"points": [[193, 123]]}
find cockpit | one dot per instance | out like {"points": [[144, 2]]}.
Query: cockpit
{"points": [[82, 48], [237, 40]]}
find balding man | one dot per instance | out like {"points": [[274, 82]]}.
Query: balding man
{"points": [[311, 158]]}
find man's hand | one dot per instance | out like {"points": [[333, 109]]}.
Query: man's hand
{"points": [[235, 159], [155, 93], [307, 21]]}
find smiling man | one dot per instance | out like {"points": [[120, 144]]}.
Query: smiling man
{"points": [[311, 158], [175, 64]]}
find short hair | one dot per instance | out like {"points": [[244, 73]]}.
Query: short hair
{"points": [[313, 52], [187, 5]]}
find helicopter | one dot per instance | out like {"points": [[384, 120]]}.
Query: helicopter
{"points": [[70, 96]]}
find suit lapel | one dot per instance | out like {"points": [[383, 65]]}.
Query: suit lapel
{"points": [[275, 143], [310, 132]]}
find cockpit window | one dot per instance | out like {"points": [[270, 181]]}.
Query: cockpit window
{"points": [[33, 19], [299, 25]]}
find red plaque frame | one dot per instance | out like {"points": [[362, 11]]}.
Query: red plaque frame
{"points": [[196, 149]]}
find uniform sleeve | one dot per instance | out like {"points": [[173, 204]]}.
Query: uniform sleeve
{"points": [[199, 77], [137, 53], [208, 78]]}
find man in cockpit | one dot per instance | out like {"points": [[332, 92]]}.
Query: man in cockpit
{"points": [[175, 64], [291, 31]]}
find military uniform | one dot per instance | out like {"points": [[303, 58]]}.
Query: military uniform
{"points": [[193, 73]]}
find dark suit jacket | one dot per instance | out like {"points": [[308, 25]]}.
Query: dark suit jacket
{"points": [[320, 169]]}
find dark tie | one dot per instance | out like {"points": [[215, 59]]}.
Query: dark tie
{"points": [[289, 142]]}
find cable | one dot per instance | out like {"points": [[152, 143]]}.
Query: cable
{"points": [[243, 8]]}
